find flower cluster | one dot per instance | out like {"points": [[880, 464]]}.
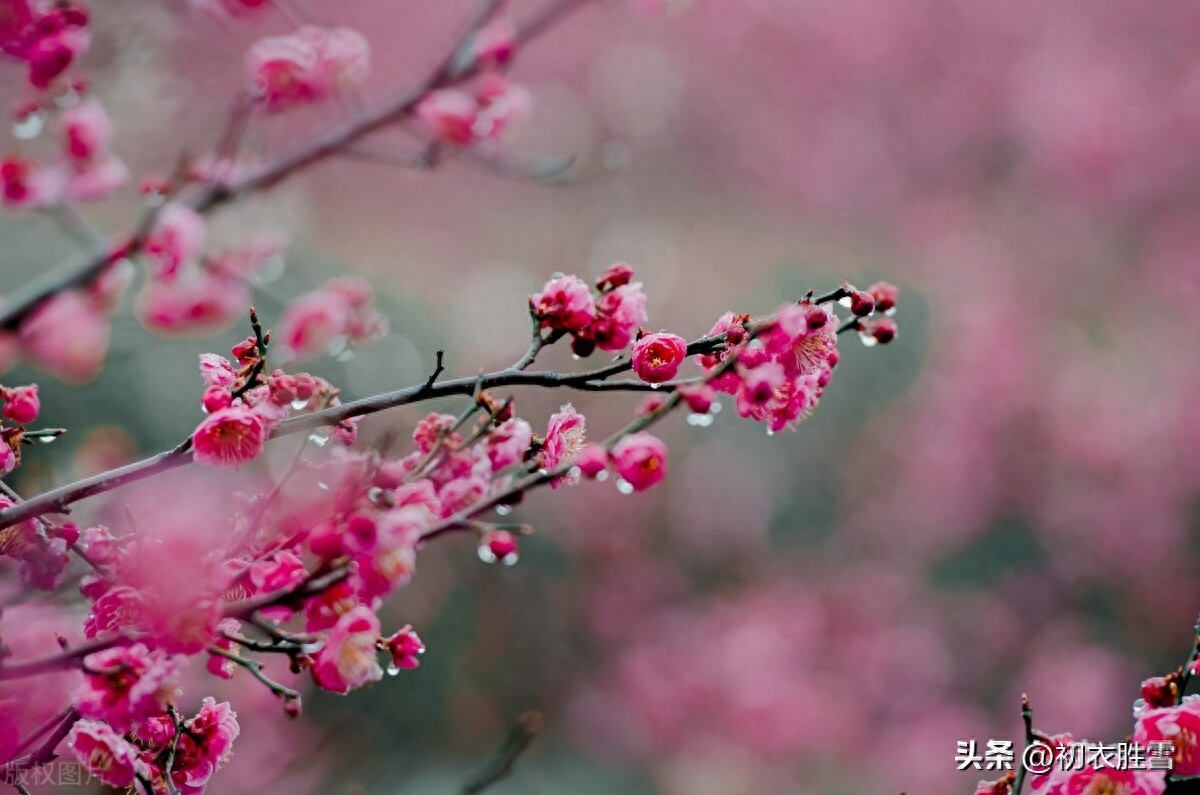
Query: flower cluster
{"points": [[606, 316], [48, 37], [306, 66], [461, 118], [327, 320]]}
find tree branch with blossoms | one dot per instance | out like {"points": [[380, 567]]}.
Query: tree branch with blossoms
{"points": [[305, 583]]}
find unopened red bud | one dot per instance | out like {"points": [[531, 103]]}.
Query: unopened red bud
{"points": [[861, 303], [883, 331], [582, 347], [885, 295], [292, 707], [246, 351], [816, 316]]}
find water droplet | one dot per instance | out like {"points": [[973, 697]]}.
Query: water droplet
{"points": [[374, 493], [392, 669], [298, 404], [715, 408], [845, 301], [322, 485], [345, 355], [543, 472], [320, 440], [155, 199], [486, 554], [654, 386], [624, 486], [510, 559], [770, 431], [29, 126], [602, 475], [700, 420], [68, 98], [270, 270], [503, 510], [574, 472], [868, 341], [575, 357], [46, 439], [337, 346]]}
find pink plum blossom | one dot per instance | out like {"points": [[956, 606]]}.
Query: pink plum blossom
{"points": [[641, 459], [126, 685], [229, 438], [657, 357], [107, 755], [348, 659]]}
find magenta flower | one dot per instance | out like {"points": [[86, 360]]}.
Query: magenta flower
{"points": [[405, 647], [348, 660], [126, 685], [21, 403], [205, 746], [619, 312], [229, 438], [657, 357], [641, 459], [1178, 725], [508, 442], [564, 304], [106, 755]]}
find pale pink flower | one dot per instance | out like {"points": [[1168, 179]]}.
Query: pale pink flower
{"points": [[348, 659], [176, 240], [87, 132], [502, 106], [67, 336], [310, 324], [27, 185], [434, 427], [392, 562], [126, 685], [217, 370], [641, 459], [8, 459], [115, 609], [307, 65], [1178, 725], [495, 43], [508, 442], [197, 301], [450, 115], [21, 404], [112, 759], [565, 437], [592, 460], [100, 178], [229, 438], [461, 493], [657, 357], [564, 304]]}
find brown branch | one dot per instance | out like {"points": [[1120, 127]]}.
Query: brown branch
{"points": [[529, 725]]}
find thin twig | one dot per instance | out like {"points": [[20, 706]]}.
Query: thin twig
{"points": [[528, 726]]}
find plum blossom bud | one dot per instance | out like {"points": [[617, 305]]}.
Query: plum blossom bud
{"points": [[641, 459], [499, 545], [880, 331], [405, 647], [450, 115], [216, 398], [862, 303], [698, 397], [885, 295], [657, 357], [1160, 691], [21, 404], [495, 43], [615, 275], [8, 458], [592, 460]]}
